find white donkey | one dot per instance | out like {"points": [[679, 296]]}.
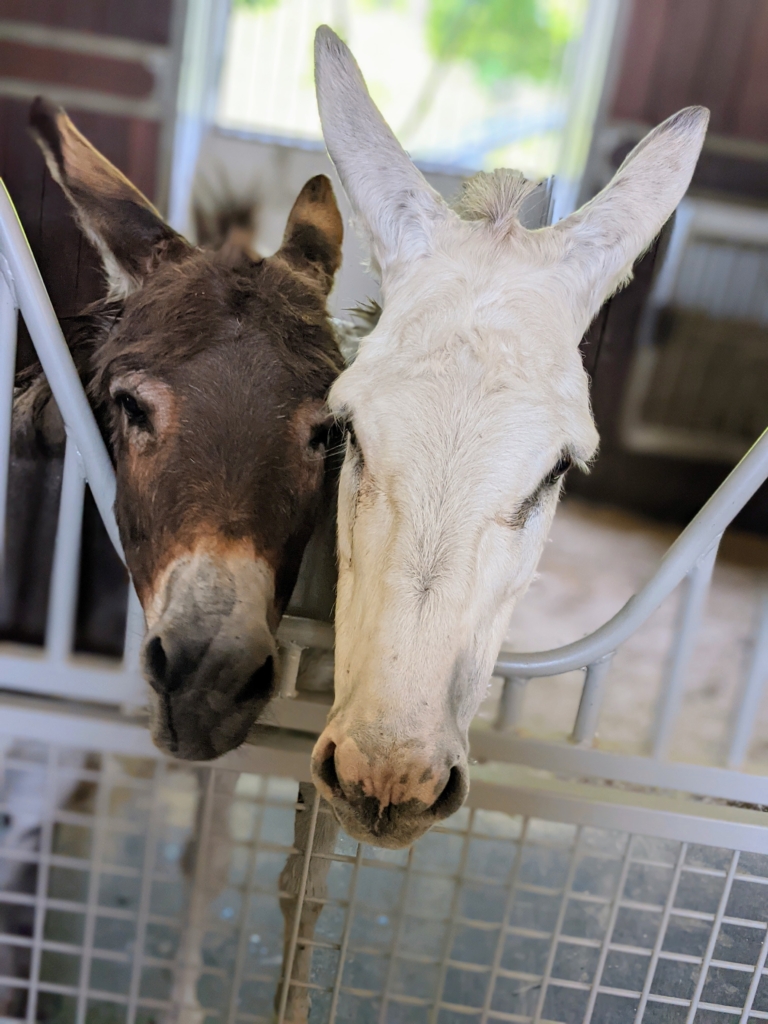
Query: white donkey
{"points": [[464, 409]]}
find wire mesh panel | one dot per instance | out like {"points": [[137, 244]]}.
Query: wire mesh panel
{"points": [[92, 899], [104, 910]]}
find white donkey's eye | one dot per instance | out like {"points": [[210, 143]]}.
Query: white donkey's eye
{"points": [[351, 436], [558, 471], [520, 515]]}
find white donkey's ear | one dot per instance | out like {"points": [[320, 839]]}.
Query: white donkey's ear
{"points": [[393, 202], [604, 238]]}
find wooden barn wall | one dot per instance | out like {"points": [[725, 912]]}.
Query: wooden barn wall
{"points": [[110, 63], [683, 52], [678, 53]]}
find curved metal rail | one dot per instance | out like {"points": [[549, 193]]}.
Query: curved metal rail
{"points": [[27, 291]]}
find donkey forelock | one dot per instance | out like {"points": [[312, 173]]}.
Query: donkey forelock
{"points": [[496, 197], [465, 408]]}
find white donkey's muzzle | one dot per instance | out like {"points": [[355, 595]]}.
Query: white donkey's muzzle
{"points": [[385, 792]]}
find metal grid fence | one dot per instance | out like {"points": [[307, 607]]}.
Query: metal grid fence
{"points": [[93, 894], [489, 917]]}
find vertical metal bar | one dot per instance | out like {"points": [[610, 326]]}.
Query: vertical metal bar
{"points": [[693, 603], [707, 958], [145, 894], [670, 901], [397, 936], [184, 995], [606, 943], [591, 703], [62, 603], [94, 879], [58, 365], [752, 692], [450, 931], [135, 627], [41, 888], [243, 938], [345, 935], [508, 905], [759, 968], [511, 703], [8, 322], [558, 928], [288, 965], [290, 660]]}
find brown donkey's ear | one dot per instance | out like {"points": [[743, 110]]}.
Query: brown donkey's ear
{"points": [[314, 232], [127, 230]]}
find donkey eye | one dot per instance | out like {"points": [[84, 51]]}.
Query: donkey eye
{"points": [[349, 433], [351, 442], [559, 471], [318, 439], [135, 414]]}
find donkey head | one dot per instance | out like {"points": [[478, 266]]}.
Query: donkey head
{"points": [[464, 409], [208, 373]]}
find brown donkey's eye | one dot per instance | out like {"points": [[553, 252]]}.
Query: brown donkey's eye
{"points": [[318, 439], [136, 415]]}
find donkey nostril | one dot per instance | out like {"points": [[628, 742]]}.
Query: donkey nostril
{"points": [[156, 660], [452, 796], [258, 684], [326, 771]]}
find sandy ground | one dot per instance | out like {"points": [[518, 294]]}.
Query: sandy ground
{"points": [[595, 560]]}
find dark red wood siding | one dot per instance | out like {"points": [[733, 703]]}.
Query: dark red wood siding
{"points": [[710, 52], [147, 21], [84, 70]]}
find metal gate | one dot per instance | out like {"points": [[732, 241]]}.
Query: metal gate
{"points": [[580, 883]]}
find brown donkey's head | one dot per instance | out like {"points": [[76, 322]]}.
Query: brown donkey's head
{"points": [[208, 373]]}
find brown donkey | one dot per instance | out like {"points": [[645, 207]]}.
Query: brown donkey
{"points": [[208, 373]]}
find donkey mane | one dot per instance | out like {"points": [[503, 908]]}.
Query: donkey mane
{"points": [[495, 196]]}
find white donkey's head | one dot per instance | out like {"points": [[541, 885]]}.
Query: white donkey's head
{"points": [[464, 409]]}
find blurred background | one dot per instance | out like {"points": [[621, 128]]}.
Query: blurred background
{"points": [[204, 102], [208, 104]]}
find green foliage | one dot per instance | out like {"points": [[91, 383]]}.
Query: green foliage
{"points": [[255, 5], [502, 38], [382, 5]]}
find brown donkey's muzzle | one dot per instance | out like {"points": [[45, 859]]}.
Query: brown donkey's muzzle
{"points": [[209, 654]]}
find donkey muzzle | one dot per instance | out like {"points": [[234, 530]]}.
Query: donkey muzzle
{"points": [[388, 794], [209, 655]]}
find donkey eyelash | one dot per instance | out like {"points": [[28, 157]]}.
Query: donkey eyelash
{"points": [[351, 437], [517, 519], [349, 432], [557, 472]]}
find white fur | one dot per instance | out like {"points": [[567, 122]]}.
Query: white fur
{"points": [[463, 399]]}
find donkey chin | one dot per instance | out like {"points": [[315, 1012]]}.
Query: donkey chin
{"points": [[210, 654]]}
